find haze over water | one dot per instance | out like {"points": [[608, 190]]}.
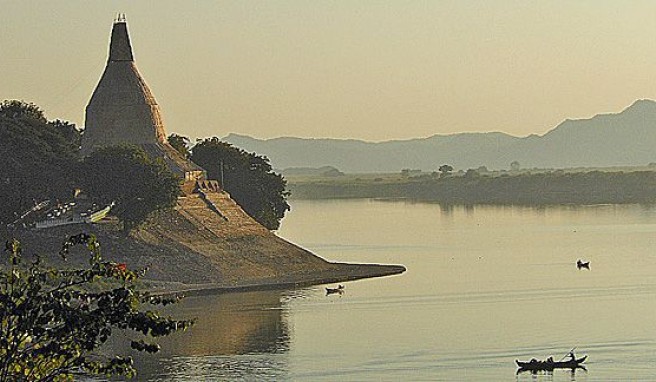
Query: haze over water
{"points": [[484, 286]]}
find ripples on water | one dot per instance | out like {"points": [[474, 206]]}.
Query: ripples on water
{"points": [[484, 286], [234, 368]]}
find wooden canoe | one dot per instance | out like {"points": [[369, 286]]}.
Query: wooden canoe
{"points": [[546, 365]]}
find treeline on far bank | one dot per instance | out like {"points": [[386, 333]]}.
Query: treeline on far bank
{"points": [[558, 187]]}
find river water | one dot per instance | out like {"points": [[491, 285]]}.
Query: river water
{"points": [[485, 285]]}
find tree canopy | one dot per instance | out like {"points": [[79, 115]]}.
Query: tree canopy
{"points": [[37, 158], [127, 176], [15, 109], [53, 321], [445, 170], [248, 178]]}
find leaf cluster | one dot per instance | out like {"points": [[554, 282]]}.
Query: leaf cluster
{"points": [[53, 320]]}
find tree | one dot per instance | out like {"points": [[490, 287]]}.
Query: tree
{"points": [[127, 176], [15, 109], [248, 178], [445, 170], [52, 320], [471, 173], [37, 158], [180, 143]]}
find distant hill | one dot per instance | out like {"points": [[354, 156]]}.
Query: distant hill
{"points": [[325, 171], [627, 138]]}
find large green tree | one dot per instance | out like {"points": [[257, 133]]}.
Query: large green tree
{"points": [[248, 178], [127, 176], [37, 158], [52, 321]]}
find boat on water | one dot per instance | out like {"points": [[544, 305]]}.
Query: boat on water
{"points": [[339, 289], [548, 365]]}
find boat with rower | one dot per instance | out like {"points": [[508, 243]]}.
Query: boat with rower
{"points": [[549, 364]]}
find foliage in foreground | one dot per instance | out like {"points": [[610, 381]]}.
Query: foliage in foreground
{"points": [[52, 321], [248, 177], [127, 176]]}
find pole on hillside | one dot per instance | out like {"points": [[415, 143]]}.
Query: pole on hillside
{"points": [[221, 167]]}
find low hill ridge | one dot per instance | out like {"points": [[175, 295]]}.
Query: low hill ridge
{"points": [[625, 138]]}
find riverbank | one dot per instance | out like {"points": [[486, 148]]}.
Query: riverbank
{"points": [[342, 272], [189, 249], [526, 188]]}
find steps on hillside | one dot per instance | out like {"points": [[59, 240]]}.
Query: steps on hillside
{"points": [[230, 218]]}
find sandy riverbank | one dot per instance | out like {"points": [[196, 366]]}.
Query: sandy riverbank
{"points": [[190, 250], [343, 272]]}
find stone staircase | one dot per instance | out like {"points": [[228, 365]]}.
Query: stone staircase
{"points": [[218, 213]]}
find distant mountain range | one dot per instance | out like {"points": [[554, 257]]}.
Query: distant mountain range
{"points": [[627, 138]]}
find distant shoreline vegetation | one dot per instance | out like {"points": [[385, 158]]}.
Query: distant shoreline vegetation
{"points": [[472, 187]]}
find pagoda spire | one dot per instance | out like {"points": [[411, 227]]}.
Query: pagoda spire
{"points": [[120, 48], [123, 110]]}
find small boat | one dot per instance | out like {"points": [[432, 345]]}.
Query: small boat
{"points": [[580, 264], [535, 365], [339, 289]]}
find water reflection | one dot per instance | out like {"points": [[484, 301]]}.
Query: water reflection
{"points": [[565, 375], [236, 335], [446, 209], [571, 371]]}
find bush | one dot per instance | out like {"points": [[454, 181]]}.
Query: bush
{"points": [[53, 320]]}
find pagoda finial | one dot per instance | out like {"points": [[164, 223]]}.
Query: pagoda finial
{"points": [[120, 18]]}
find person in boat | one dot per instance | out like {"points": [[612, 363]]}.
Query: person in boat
{"points": [[571, 355], [550, 360]]}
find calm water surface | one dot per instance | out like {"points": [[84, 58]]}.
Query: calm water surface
{"points": [[484, 286]]}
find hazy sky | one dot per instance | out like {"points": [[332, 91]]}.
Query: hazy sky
{"points": [[373, 70]]}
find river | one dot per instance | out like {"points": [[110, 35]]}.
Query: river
{"points": [[485, 286]]}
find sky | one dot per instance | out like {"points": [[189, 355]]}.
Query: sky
{"points": [[372, 70]]}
